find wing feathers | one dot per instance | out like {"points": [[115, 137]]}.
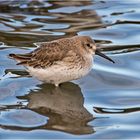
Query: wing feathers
{"points": [[21, 58], [46, 54]]}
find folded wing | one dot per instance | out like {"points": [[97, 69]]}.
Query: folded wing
{"points": [[45, 55]]}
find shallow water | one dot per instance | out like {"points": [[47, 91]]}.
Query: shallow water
{"points": [[104, 104]]}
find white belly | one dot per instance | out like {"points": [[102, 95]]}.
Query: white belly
{"points": [[57, 74]]}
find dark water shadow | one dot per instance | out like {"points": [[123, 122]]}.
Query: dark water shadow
{"points": [[64, 106]]}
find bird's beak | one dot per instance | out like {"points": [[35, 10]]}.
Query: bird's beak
{"points": [[103, 55]]}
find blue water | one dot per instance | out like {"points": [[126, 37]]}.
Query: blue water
{"points": [[103, 105]]}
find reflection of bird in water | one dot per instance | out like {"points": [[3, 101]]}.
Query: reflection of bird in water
{"points": [[64, 107]]}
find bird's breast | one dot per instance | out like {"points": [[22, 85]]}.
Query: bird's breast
{"points": [[61, 72], [86, 66]]}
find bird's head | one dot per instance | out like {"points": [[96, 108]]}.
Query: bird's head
{"points": [[90, 47]]}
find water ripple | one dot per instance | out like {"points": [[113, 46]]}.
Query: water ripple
{"points": [[104, 104]]}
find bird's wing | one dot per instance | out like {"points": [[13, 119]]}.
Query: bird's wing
{"points": [[45, 55]]}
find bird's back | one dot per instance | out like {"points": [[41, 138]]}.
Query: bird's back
{"points": [[48, 53]]}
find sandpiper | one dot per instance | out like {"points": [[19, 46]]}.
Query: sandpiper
{"points": [[60, 60]]}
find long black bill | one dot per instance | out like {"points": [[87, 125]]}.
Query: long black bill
{"points": [[103, 55]]}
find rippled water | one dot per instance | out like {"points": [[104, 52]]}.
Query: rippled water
{"points": [[104, 104]]}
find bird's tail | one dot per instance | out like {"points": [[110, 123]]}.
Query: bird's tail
{"points": [[20, 58]]}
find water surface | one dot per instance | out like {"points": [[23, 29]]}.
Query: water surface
{"points": [[104, 104]]}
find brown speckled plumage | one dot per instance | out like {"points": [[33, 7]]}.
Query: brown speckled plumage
{"points": [[48, 53], [59, 60]]}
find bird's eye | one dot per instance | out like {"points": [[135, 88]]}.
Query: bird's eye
{"points": [[89, 45]]}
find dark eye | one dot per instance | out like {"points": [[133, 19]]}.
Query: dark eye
{"points": [[89, 45]]}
